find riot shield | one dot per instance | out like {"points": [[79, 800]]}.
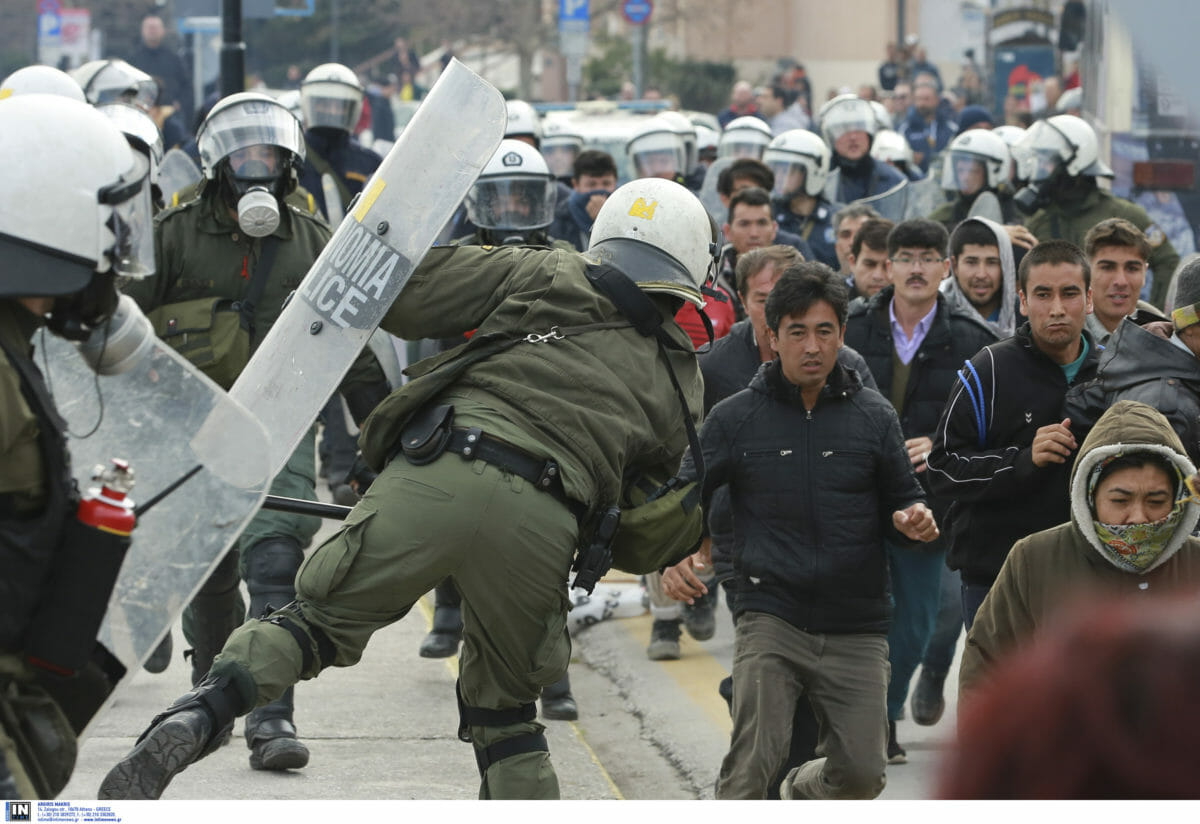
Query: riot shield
{"points": [[923, 197], [892, 204], [386, 232], [987, 205], [171, 423], [176, 173], [708, 190]]}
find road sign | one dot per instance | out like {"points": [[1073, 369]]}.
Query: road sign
{"points": [[49, 7], [573, 10], [637, 12]]}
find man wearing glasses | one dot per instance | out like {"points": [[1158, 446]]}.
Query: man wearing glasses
{"points": [[914, 342]]}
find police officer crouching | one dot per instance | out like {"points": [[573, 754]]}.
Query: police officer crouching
{"points": [[74, 215]]}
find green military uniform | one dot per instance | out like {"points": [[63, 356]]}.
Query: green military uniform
{"points": [[22, 487], [200, 251], [599, 403], [1071, 220]]}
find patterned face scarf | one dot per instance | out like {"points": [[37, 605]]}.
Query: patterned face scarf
{"points": [[1134, 547]]}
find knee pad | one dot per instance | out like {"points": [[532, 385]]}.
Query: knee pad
{"points": [[518, 744], [270, 570]]}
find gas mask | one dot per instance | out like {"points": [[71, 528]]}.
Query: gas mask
{"points": [[123, 339], [77, 315], [251, 187]]}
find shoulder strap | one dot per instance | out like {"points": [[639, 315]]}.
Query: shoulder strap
{"points": [[634, 304], [323, 167], [258, 282]]}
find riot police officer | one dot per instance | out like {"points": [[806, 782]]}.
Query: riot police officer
{"points": [[492, 463], [74, 215], [800, 160], [1061, 161], [849, 124], [227, 259]]}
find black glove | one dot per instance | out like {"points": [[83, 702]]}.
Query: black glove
{"points": [[360, 477]]}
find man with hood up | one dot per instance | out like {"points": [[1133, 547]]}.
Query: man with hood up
{"points": [[984, 270], [1129, 533]]}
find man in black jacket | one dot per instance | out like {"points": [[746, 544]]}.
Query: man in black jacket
{"points": [[914, 341], [1002, 450], [818, 475], [164, 65]]}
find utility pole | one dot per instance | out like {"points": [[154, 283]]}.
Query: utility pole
{"points": [[233, 50]]}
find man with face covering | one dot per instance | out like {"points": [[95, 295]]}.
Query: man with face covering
{"points": [[1129, 533], [236, 240]]}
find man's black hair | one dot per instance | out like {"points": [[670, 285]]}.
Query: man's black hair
{"points": [[873, 233], [800, 287], [974, 233], [1051, 252], [918, 233], [595, 163], [753, 196], [745, 167]]}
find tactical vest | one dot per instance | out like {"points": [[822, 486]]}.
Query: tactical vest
{"points": [[28, 545]]}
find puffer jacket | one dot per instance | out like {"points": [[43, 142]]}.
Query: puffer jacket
{"points": [[812, 492]]}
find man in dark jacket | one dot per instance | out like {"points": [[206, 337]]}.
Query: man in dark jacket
{"points": [[1002, 448], [164, 65], [818, 476], [914, 341]]}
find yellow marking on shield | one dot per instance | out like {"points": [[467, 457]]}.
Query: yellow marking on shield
{"points": [[642, 209], [368, 199]]}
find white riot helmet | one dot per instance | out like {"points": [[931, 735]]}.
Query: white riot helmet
{"points": [[847, 113], [140, 130], [107, 81], [659, 234], [891, 147], [706, 143], [41, 80], [656, 150], [331, 98], [290, 100], [744, 137], [523, 121], [561, 145], [687, 133], [76, 205], [977, 159], [515, 192], [1063, 141], [800, 161], [254, 146]]}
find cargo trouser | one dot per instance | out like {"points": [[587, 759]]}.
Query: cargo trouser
{"points": [[509, 548]]}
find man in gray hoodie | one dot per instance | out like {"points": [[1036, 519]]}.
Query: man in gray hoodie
{"points": [[983, 282]]}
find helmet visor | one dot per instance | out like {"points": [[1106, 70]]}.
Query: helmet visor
{"points": [[560, 154], [512, 204], [140, 129], [790, 176], [131, 221], [964, 172], [248, 123], [140, 93], [331, 106], [741, 147]]}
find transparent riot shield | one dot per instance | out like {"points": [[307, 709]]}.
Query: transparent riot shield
{"points": [[186, 441], [386, 232], [892, 204], [176, 173], [708, 190], [923, 196]]}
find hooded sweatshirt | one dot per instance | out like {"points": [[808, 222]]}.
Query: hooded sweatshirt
{"points": [[1057, 566], [1006, 324]]}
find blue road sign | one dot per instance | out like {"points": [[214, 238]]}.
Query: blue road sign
{"points": [[637, 12], [573, 10]]}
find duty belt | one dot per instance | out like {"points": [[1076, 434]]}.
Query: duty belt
{"points": [[473, 444]]}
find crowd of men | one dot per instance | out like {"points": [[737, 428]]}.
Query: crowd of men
{"points": [[937, 387]]}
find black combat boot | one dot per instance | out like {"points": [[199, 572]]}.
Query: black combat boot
{"points": [[188, 730], [664, 640], [442, 640], [557, 702]]}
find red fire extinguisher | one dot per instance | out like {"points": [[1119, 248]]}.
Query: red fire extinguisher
{"points": [[107, 508]]}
